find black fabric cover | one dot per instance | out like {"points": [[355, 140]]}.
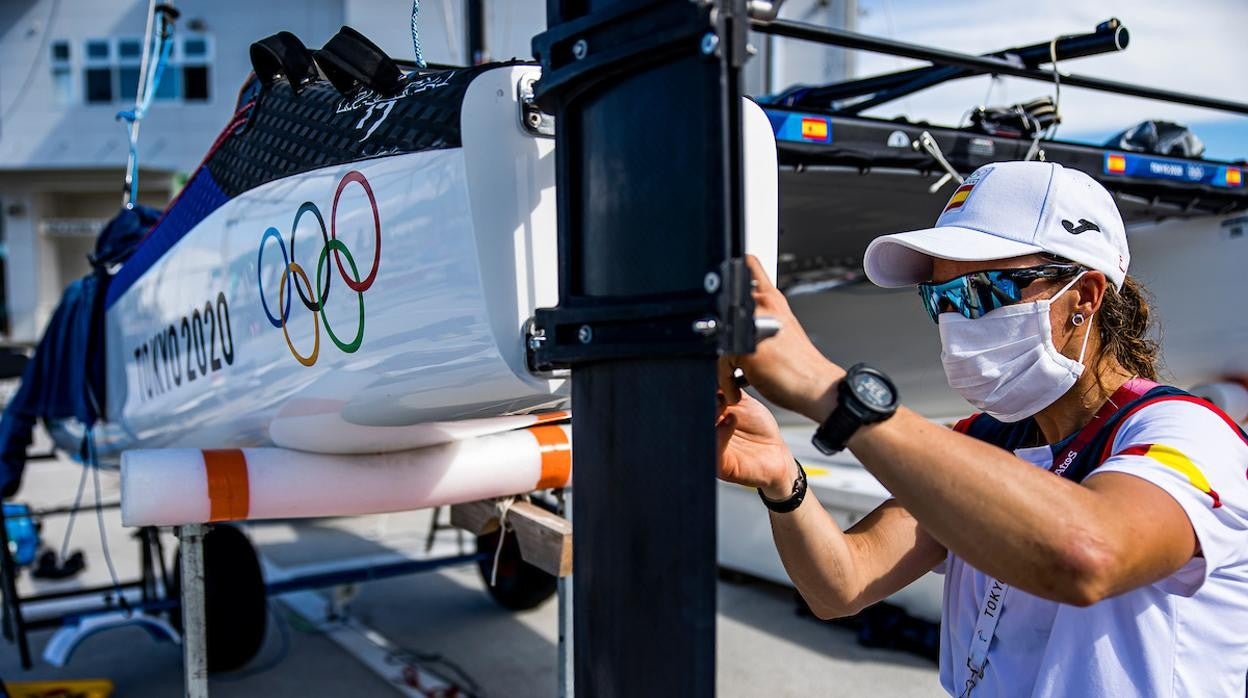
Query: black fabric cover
{"points": [[289, 133], [349, 59], [1159, 138], [282, 55]]}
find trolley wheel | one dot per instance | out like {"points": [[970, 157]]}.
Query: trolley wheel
{"points": [[519, 585], [235, 605]]}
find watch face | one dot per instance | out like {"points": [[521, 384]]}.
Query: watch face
{"points": [[872, 390]]}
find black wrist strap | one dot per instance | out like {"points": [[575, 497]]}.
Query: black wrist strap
{"points": [[794, 501], [833, 435]]}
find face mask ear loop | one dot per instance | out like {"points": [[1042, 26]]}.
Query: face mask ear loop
{"points": [[1088, 333]]}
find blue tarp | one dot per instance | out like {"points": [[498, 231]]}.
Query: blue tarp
{"points": [[65, 377]]}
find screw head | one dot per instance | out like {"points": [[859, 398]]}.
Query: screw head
{"points": [[535, 119], [710, 42], [706, 326], [585, 334], [710, 282], [580, 49]]}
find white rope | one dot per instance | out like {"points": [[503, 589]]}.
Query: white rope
{"points": [[1035, 151], [504, 507], [929, 144], [420, 56]]}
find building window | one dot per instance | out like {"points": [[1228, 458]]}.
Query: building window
{"points": [[129, 59], [97, 72], [196, 55], [62, 73], [111, 70]]}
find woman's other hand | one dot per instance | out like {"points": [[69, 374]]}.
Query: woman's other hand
{"points": [[751, 451]]}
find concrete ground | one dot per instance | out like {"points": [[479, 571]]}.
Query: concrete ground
{"points": [[444, 617]]}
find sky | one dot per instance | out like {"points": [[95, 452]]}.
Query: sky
{"points": [[1195, 46]]}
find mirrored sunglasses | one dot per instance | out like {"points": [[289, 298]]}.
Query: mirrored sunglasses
{"points": [[981, 292]]}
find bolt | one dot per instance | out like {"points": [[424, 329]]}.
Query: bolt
{"points": [[580, 49], [711, 282], [535, 119], [706, 326], [585, 334], [710, 42]]}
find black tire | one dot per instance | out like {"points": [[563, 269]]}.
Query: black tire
{"points": [[235, 603], [520, 586]]}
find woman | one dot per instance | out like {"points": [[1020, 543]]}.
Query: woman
{"points": [[1116, 567]]}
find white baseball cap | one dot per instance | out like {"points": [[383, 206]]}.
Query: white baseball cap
{"points": [[1010, 209]]}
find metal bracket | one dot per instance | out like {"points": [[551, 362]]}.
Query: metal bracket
{"points": [[637, 34], [532, 118], [719, 322]]}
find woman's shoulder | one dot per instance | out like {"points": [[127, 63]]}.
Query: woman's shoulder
{"points": [[1179, 416]]}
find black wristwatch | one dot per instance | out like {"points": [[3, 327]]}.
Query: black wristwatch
{"points": [[864, 396], [793, 501]]}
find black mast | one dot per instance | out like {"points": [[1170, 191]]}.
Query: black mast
{"points": [[474, 10], [651, 289]]}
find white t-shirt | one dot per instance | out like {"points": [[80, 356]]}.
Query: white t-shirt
{"points": [[1186, 635]]}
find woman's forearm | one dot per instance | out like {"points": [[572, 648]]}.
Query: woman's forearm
{"points": [[1001, 514], [818, 558], [841, 572]]}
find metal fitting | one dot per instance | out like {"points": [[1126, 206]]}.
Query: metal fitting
{"points": [[585, 334], [706, 326], [580, 49], [710, 42]]}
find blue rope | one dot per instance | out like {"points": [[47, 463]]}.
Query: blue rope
{"points": [[162, 46], [420, 58]]}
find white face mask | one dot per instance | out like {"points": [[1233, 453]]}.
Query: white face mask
{"points": [[1004, 362]]}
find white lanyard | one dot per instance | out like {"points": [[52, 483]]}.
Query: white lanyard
{"points": [[985, 629]]}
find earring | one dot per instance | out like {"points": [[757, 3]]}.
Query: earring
{"points": [[1076, 319]]}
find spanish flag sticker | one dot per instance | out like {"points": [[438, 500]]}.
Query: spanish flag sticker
{"points": [[1234, 177], [1115, 163], [815, 129], [963, 192], [1173, 458], [959, 197]]}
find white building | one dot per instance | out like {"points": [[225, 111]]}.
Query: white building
{"points": [[71, 65]]}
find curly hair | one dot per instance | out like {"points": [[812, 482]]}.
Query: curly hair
{"points": [[1123, 327]]}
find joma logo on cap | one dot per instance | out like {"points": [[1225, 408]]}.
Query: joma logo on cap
{"points": [[1084, 226]]}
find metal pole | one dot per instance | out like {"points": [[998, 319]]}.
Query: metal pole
{"points": [[15, 624], [194, 617], [475, 31], [567, 671], [984, 64]]}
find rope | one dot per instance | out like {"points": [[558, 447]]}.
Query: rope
{"points": [[929, 144], [420, 57], [93, 463], [504, 506], [1035, 151], [157, 46]]}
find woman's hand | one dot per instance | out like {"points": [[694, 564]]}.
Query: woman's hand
{"points": [[751, 451], [787, 368]]}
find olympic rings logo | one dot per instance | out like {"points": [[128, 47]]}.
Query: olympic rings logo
{"points": [[315, 299]]}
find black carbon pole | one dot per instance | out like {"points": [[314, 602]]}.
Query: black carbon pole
{"points": [[983, 64], [647, 104], [474, 31]]}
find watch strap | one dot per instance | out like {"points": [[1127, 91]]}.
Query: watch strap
{"points": [[833, 435], [794, 500]]}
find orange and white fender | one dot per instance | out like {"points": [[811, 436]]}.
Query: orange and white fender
{"points": [[175, 486]]}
